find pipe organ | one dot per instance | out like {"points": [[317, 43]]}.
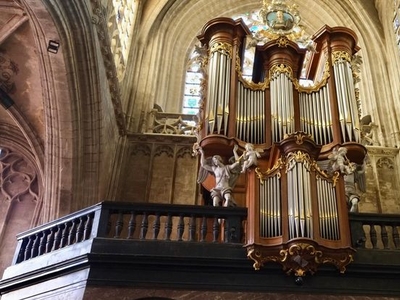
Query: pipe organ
{"points": [[297, 210]]}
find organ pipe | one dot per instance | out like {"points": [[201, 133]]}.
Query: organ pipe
{"points": [[291, 202]]}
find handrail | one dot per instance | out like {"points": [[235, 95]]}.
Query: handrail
{"points": [[182, 223], [134, 221]]}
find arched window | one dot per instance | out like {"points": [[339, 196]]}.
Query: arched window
{"points": [[191, 98]]}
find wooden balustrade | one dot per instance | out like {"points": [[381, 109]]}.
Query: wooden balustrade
{"points": [[119, 220], [178, 223], [375, 231]]}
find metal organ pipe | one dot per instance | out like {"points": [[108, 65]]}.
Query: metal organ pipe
{"points": [[327, 208], [250, 112], [282, 108], [270, 208], [346, 101], [218, 93], [315, 115]]}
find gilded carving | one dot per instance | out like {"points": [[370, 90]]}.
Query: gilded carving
{"points": [[338, 56], [300, 257], [280, 69], [263, 175], [282, 41], [317, 86], [223, 48]]}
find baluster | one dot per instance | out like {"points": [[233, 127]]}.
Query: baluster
{"points": [[35, 247], [373, 237], [72, 232], [88, 227], [50, 240], [216, 229], [108, 228], [396, 238], [28, 253], [181, 228], [192, 228], [156, 226], [79, 231], [226, 231], [168, 228], [21, 254], [57, 240], [43, 242], [132, 225], [144, 226], [119, 225], [64, 235], [384, 235], [203, 230]]}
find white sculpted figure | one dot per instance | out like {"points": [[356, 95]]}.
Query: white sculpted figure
{"points": [[340, 162], [249, 156], [354, 176], [225, 178], [353, 183]]}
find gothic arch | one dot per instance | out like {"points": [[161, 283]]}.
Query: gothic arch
{"points": [[71, 97]]}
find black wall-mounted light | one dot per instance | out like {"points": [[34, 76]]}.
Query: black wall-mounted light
{"points": [[53, 46]]}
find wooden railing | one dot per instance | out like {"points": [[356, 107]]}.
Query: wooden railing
{"points": [[375, 231], [181, 223], [119, 220]]}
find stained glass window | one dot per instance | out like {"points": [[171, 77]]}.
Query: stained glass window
{"points": [[191, 98]]}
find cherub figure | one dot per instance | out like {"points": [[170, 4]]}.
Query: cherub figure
{"points": [[225, 178], [340, 162], [249, 156]]}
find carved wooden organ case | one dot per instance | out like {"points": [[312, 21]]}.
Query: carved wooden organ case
{"points": [[297, 211]]}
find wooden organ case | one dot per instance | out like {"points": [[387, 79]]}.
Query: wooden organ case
{"points": [[297, 210]]}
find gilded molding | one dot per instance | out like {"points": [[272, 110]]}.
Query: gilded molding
{"points": [[282, 42], [338, 56], [279, 69], [264, 175], [317, 86], [223, 48], [299, 136]]}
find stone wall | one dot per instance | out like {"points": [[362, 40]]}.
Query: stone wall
{"points": [[382, 181]]}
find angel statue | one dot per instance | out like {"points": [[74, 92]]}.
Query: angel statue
{"points": [[353, 183], [225, 178], [249, 156], [340, 162]]}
